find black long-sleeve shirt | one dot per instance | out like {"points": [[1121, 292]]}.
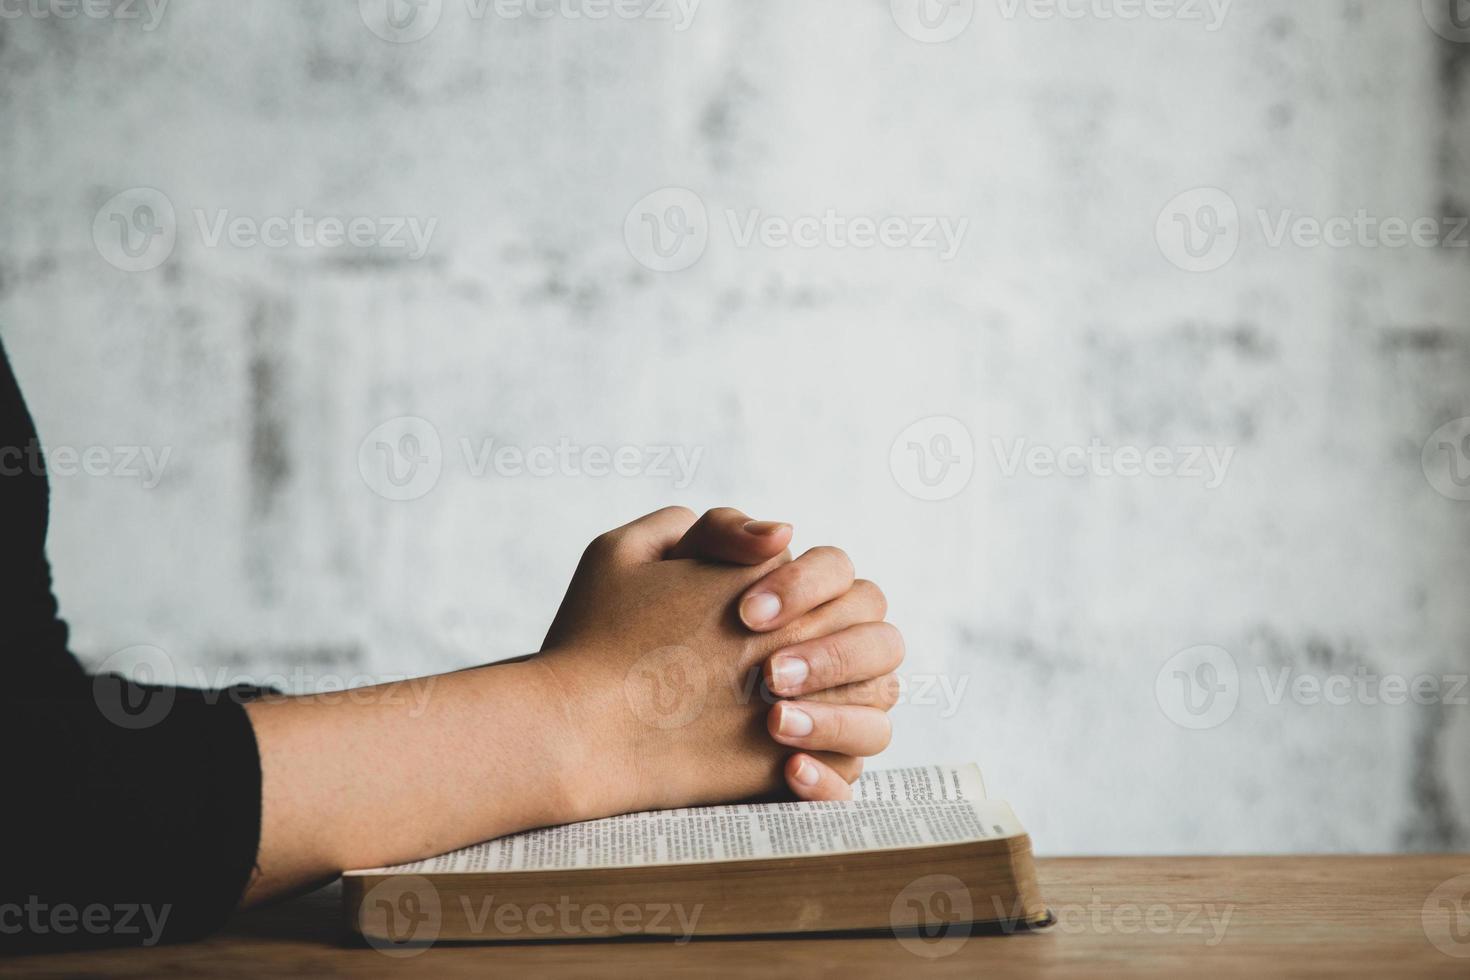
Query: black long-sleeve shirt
{"points": [[129, 814]]}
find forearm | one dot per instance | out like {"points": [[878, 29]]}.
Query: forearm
{"points": [[403, 771], [390, 774]]}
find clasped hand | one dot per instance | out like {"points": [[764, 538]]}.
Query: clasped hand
{"points": [[706, 664]]}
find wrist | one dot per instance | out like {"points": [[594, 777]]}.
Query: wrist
{"points": [[578, 779]]}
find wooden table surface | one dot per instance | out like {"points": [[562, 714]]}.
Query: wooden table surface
{"points": [[1261, 916]]}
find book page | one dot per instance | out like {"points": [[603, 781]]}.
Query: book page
{"points": [[921, 783], [891, 809]]}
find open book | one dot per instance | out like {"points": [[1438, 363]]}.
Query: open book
{"points": [[916, 849]]}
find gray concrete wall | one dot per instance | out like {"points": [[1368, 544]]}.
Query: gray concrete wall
{"points": [[1112, 648]]}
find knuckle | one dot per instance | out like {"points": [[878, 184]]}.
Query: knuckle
{"points": [[717, 514], [784, 558], [798, 633], [885, 736], [833, 727], [794, 579], [892, 641], [871, 596], [603, 546], [836, 660], [888, 690], [833, 557]]}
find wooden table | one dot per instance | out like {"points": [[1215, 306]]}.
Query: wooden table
{"points": [[1258, 916]]}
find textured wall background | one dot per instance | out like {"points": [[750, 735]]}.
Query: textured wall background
{"points": [[807, 378]]}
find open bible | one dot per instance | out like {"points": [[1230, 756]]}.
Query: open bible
{"points": [[918, 850]]}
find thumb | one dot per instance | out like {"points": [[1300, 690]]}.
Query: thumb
{"points": [[726, 534], [649, 537]]}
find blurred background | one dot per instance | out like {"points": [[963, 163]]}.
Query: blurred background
{"points": [[1127, 346]]}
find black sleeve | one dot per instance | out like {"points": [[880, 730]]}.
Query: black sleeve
{"points": [[132, 816], [129, 815], [34, 658]]}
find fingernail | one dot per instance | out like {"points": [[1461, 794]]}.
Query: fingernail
{"points": [[787, 673], [759, 609], [794, 722], [806, 773], [763, 528]]}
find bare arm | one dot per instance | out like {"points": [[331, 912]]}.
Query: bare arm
{"points": [[405, 770], [585, 728]]}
